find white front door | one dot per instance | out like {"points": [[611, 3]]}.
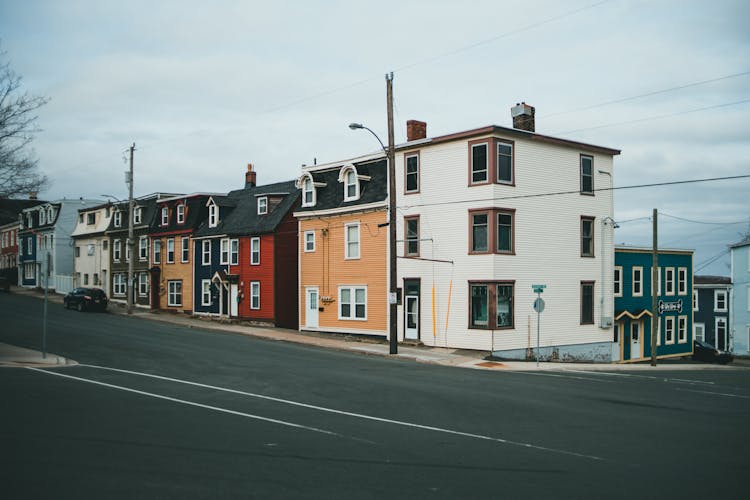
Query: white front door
{"points": [[411, 317], [635, 339], [233, 295], [311, 307]]}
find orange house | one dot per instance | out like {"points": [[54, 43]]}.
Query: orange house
{"points": [[343, 247]]}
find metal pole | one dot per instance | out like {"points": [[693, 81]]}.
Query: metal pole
{"points": [[130, 243], [393, 330], [654, 288], [538, 320], [46, 291]]}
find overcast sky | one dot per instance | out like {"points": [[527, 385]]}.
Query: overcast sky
{"points": [[203, 88]]}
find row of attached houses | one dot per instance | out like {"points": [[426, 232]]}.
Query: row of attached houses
{"points": [[483, 216]]}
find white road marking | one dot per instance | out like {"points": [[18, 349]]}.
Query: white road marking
{"points": [[351, 414], [652, 377], [190, 403], [716, 393]]}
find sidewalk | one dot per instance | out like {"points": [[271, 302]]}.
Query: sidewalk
{"points": [[374, 347]]}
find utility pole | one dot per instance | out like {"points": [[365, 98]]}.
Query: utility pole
{"points": [[654, 292], [130, 245], [393, 296]]}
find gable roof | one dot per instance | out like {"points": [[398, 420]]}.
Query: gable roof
{"points": [[241, 215]]}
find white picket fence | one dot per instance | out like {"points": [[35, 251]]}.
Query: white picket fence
{"points": [[63, 284]]}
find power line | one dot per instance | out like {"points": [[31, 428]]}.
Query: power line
{"points": [[657, 117], [578, 191], [703, 222], [647, 94]]}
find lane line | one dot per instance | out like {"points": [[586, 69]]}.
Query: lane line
{"points": [[715, 393], [651, 377], [190, 403], [352, 414]]}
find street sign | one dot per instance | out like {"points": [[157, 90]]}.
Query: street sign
{"points": [[539, 305], [538, 288]]}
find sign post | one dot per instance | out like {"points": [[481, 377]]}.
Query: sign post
{"points": [[539, 308]]}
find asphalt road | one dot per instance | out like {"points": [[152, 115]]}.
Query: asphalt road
{"points": [[161, 411]]}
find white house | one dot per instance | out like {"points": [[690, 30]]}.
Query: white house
{"points": [[91, 247], [485, 214]]}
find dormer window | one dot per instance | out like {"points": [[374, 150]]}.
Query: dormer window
{"points": [[181, 213], [351, 186], [91, 219], [213, 215], [137, 214], [30, 220], [42, 217], [164, 216], [118, 219], [308, 193], [262, 205], [50, 214]]}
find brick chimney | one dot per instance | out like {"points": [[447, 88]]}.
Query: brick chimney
{"points": [[415, 130], [32, 195], [249, 176], [523, 116]]}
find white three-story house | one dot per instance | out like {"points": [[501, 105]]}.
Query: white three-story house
{"points": [[485, 214]]}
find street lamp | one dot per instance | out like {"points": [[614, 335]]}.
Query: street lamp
{"points": [[393, 295]]}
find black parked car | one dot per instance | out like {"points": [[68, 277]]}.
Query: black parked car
{"points": [[703, 351], [85, 299]]}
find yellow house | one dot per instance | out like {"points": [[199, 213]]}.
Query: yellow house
{"points": [[343, 247]]}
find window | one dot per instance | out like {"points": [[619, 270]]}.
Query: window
{"points": [[164, 216], [28, 271], [143, 248], [682, 329], [118, 284], [504, 163], [78, 251], [234, 252], [255, 251], [491, 305], [618, 281], [157, 251], [479, 232], [669, 329], [28, 245], [308, 193], [720, 301], [587, 236], [638, 281], [411, 238], [91, 219], [50, 215], [174, 293], [213, 215], [699, 331], [587, 302], [411, 174], [309, 241], [42, 217], [170, 250], [351, 185], [351, 243], [262, 205], [90, 249], [143, 284], [669, 280], [30, 219], [116, 250], [137, 215], [181, 213], [106, 212], [185, 249], [695, 300], [479, 167], [206, 253], [255, 295], [118, 219], [492, 230], [86, 279], [205, 292], [224, 252], [587, 174], [658, 280], [681, 281], [353, 303]]}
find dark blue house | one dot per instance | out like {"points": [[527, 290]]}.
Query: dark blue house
{"points": [[633, 303], [712, 310]]}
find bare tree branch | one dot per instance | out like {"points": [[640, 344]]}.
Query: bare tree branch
{"points": [[18, 165]]}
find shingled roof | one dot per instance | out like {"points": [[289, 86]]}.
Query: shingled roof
{"points": [[331, 195]]}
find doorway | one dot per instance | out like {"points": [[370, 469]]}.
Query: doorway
{"points": [[311, 307]]}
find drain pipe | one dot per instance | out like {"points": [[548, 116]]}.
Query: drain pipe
{"points": [[605, 220]]}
